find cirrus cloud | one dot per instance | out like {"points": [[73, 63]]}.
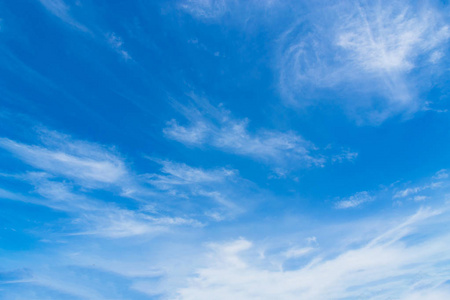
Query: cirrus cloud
{"points": [[375, 61]]}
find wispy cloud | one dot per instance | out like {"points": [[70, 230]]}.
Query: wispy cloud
{"points": [[87, 163], [61, 10], [441, 174], [297, 252], [216, 127], [428, 189], [65, 176], [216, 185], [116, 43], [376, 55], [205, 9], [390, 38], [216, 10], [118, 223], [385, 267], [92, 215], [182, 174], [354, 201], [438, 181], [345, 155]]}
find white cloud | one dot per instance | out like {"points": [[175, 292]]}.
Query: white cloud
{"points": [[87, 163], [403, 258], [346, 155], [216, 10], [61, 10], [414, 190], [205, 9], [116, 43], [369, 55], [93, 216], [390, 38], [408, 191], [438, 293], [182, 174], [56, 194], [385, 267], [113, 222], [442, 174], [354, 201], [71, 171], [297, 252], [216, 127], [233, 136], [436, 56], [193, 184], [420, 198]]}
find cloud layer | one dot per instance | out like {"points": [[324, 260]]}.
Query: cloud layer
{"points": [[386, 266]]}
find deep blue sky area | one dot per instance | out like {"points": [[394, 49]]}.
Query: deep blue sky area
{"points": [[224, 149]]}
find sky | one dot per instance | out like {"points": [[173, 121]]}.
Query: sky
{"points": [[224, 149]]}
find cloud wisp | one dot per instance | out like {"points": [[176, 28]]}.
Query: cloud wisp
{"points": [[426, 190], [116, 43], [378, 57], [93, 184], [112, 40], [217, 128], [216, 10], [87, 163], [430, 189], [205, 9], [61, 10], [216, 186], [354, 201]]}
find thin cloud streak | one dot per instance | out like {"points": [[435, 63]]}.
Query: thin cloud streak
{"points": [[216, 127], [86, 163], [354, 201], [61, 10]]}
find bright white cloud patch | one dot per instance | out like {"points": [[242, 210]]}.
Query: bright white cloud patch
{"points": [[387, 266], [390, 38], [374, 56]]}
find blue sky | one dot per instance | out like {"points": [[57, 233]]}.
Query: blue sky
{"points": [[201, 149]]}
